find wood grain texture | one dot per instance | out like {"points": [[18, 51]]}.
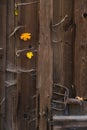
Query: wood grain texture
{"points": [[63, 60], [63, 48], [26, 82], [45, 62], [81, 48], [3, 6], [10, 91]]}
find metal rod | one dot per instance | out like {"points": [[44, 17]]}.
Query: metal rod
{"points": [[58, 109], [59, 102], [59, 85], [60, 94]]}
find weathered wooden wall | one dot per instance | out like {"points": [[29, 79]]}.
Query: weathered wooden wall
{"points": [[63, 43], [45, 63], [81, 48], [20, 86], [61, 58]]}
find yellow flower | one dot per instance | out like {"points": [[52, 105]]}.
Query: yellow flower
{"points": [[16, 12], [25, 36], [29, 55]]}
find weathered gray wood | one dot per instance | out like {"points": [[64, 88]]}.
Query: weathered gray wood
{"points": [[45, 62]]}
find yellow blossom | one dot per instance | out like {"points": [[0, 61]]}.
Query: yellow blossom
{"points": [[16, 12], [29, 55], [25, 36]]}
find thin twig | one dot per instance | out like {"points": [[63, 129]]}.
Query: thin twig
{"points": [[54, 41], [15, 29], [30, 121], [29, 3], [2, 101], [34, 96], [11, 83], [20, 70], [55, 25], [23, 50], [60, 41]]}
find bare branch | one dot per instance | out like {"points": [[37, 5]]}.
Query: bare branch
{"points": [[10, 83], [2, 101], [20, 70], [55, 25], [54, 41], [15, 29], [23, 50], [22, 4]]}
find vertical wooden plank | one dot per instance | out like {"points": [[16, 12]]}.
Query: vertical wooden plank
{"points": [[45, 62], [80, 76], [81, 48], [3, 6], [26, 84], [10, 76], [63, 49], [63, 44]]}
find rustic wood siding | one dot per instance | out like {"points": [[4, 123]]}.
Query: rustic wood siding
{"points": [[60, 57], [45, 62]]}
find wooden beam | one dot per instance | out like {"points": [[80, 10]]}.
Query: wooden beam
{"points": [[63, 38], [81, 48], [63, 48], [45, 61], [3, 6], [62, 122], [26, 82]]}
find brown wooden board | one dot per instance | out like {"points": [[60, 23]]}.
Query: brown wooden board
{"points": [[58, 30], [10, 90], [62, 40], [45, 63], [26, 82], [3, 6], [80, 48], [80, 59]]}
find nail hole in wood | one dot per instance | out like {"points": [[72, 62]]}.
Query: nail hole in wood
{"points": [[85, 15], [30, 46]]}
